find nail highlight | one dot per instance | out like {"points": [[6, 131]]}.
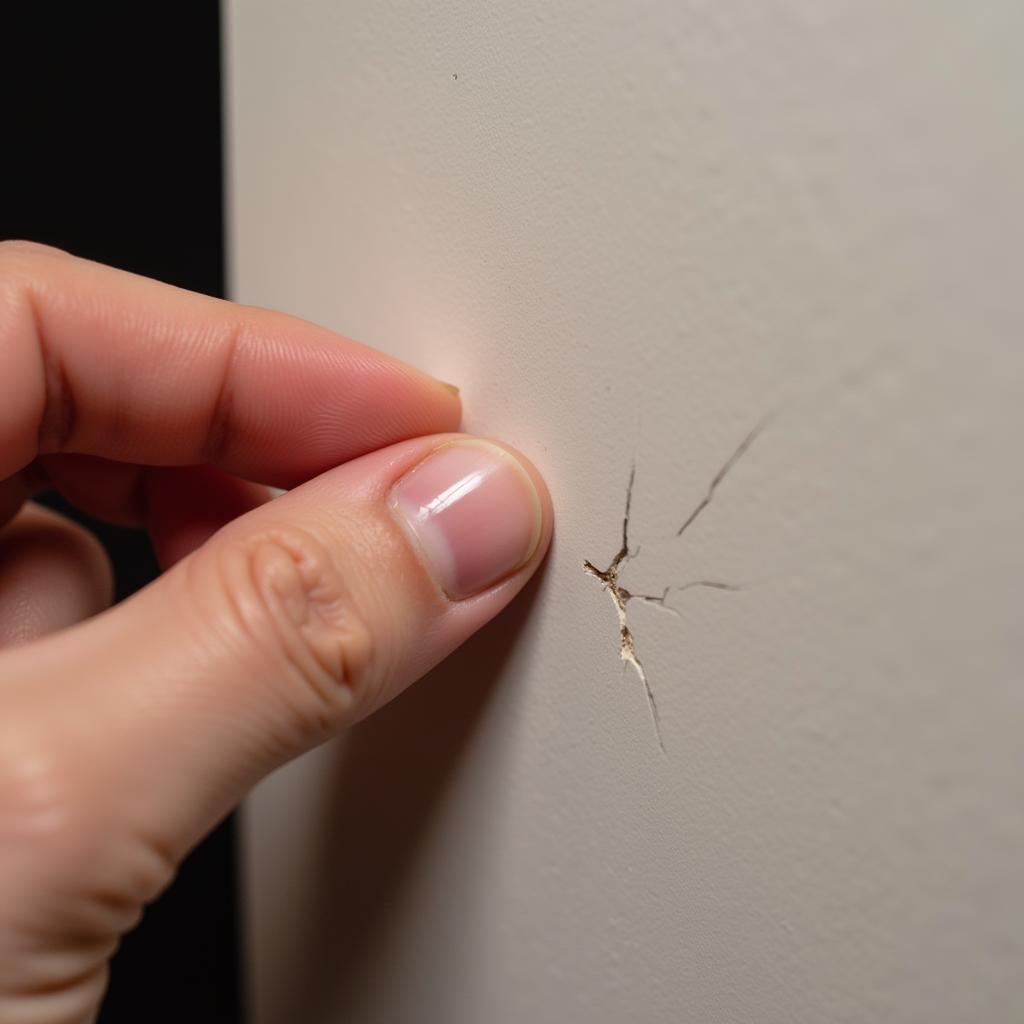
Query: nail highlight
{"points": [[473, 512]]}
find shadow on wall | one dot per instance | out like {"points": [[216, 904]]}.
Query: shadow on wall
{"points": [[388, 781]]}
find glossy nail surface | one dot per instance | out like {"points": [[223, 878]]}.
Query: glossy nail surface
{"points": [[473, 512]]}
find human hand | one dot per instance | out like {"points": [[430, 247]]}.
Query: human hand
{"points": [[125, 737]]}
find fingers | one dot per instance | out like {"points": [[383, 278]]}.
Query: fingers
{"points": [[105, 363], [160, 498], [112, 491], [53, 573], [292, 622], [186, 505], [180, 506]]}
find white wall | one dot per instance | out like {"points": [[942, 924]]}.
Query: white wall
{"points": [[629, 231]]}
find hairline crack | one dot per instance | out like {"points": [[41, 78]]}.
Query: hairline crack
{"points": [[609, 578]]}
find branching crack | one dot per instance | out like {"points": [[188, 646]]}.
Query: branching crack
{"points": [[609, 578]]}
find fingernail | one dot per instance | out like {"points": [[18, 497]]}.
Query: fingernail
{"points": [[473, 512], [451, 387]]}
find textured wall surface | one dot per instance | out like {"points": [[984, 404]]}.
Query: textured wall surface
{"points": [[631, 231]]}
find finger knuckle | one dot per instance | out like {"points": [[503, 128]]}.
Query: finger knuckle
{"points": [[69, 881], [61, 831], [43, 827], [294, 606], [37, 798]]}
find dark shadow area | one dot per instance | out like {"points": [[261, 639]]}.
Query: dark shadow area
{"points": [[389, 779], [112, 150]]}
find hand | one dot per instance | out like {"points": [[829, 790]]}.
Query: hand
{"points": [[125, 737]]}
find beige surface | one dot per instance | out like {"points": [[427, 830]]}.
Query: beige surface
{"points": [[631, 231]]}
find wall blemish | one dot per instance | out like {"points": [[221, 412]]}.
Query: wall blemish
{"points": [[609, 578]]}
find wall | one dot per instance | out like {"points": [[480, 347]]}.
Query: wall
{"points": [[631, 232]]}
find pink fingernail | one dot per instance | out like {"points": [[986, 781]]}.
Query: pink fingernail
{"points": [[474, 513]]}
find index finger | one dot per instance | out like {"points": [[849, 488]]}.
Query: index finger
{"points": [[102, 362]]}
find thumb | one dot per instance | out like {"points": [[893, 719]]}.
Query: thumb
{"points": [[150, 721]]}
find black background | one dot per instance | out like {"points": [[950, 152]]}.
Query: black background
{"points": [[111, 148]]}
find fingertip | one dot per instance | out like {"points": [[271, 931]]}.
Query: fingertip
{"points": [[545, 506], [475, 510], [164, 377], [53, 573], [450, 405]]}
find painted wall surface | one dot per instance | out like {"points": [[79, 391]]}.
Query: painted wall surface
{"points": [[631, 232]]}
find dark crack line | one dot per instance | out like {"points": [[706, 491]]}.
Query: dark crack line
{"points": [[627, 644], [712, 584], [658, 600], [609, 578], [661, 600], [723, 473]]}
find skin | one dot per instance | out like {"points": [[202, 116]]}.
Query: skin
{"points": [[127, 733]]}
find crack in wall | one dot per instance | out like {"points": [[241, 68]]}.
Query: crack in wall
{"points": [[741, 449], [609, 578]]}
